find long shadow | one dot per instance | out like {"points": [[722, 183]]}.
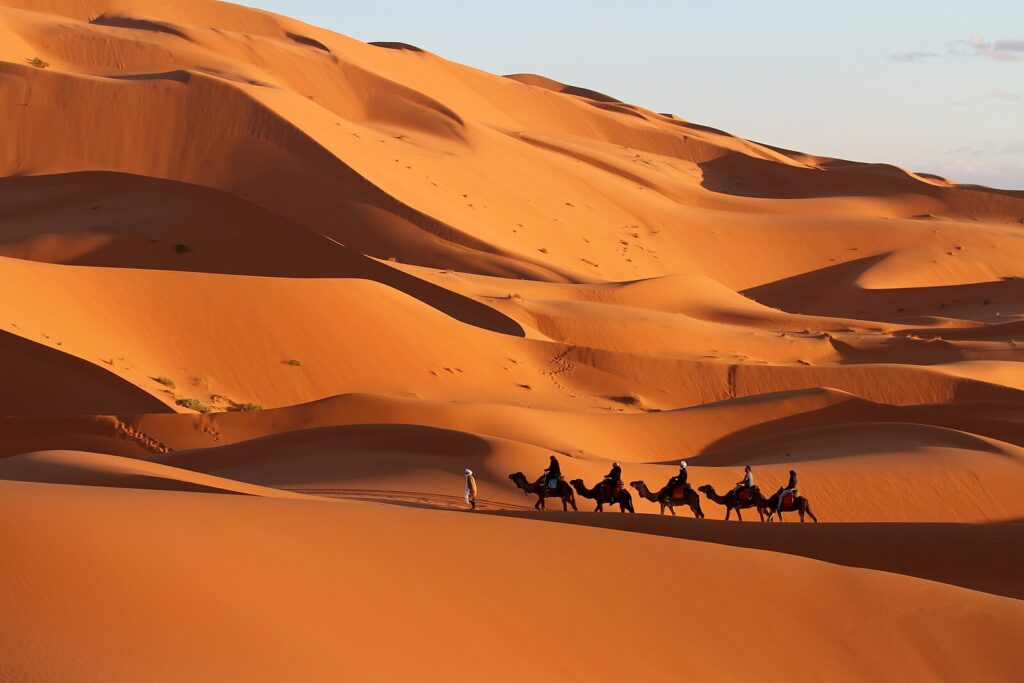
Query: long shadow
{"points": [[833, 291], [742, 175], [273, 245], [981, 557], [37, 380], [995, 420]]}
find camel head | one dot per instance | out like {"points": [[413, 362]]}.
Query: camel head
{"points": [[638, 485], [519, 479], [578, 485], [707, 489]]}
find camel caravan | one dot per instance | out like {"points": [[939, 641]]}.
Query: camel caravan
{"points": [[676, 492]]}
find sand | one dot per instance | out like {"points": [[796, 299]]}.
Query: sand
{"points": [[370, 268]]}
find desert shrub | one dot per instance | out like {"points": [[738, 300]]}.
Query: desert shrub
{"points": [[193, 404], [38, 63], [166, 381], [182, 248], [250, 407], [294, 362]]}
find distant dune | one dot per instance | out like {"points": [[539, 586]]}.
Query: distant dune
{"points": [[268, 290]]}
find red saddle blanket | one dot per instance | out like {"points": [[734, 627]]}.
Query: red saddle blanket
{"points": [[679, 493], [744, 495], [788, 500]]}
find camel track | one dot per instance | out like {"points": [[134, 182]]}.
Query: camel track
{"points": [[562, 365], [406, 498]]}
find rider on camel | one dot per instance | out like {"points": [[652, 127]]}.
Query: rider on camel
{"points": [[790, 488], [677, 481], [613, 480], [553, 472], [747, 482]]}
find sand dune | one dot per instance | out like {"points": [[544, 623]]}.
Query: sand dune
{"points": [[265, 562], [269, 290]]}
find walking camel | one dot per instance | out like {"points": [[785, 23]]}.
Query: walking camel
{"points": [[689, 498], [540, 489], [603, 496], [791, 504], [732, 501]]}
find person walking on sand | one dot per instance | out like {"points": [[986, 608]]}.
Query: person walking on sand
{"points": [[470, 489]]}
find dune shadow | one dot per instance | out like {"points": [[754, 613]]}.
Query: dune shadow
{"points": [[742, 175], [118, 21], [109, 204], [305, 459], [833, 291], [770, 442], [981, 557], [309, 42]]}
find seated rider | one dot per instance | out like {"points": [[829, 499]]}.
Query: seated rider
{"points": [[613, 480], [552, 473], [790, 488], [677, 481], [747, 482]]}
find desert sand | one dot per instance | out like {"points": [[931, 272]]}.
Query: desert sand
{"points": [[268, 290]]}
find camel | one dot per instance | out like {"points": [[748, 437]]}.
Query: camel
{"points": [[690, 498], [799, 504], [542, 491], [731, 501], [600, 493]]}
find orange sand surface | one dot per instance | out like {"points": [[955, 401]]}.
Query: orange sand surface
{"points": [[368, 268]]}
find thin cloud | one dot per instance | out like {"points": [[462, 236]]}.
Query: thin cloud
{"points": [[1005, 96], [1003, 50], [997, 164], [911, 57]]}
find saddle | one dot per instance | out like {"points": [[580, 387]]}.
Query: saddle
{"points": [[613, 489], [744, 495], [679, 493], [787, 501]]}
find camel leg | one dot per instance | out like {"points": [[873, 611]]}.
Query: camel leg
{"points": [[727, 511], [807, 506], [738, 515]]}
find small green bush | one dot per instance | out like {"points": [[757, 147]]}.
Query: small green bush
{"points": [[166, 381], [292, 361], [250, 407], [193, 404], [38, 63]]}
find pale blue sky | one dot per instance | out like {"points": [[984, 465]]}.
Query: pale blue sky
{"points": [[931, 85]]}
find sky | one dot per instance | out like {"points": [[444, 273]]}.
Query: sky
{"points": [[934, 86]]}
